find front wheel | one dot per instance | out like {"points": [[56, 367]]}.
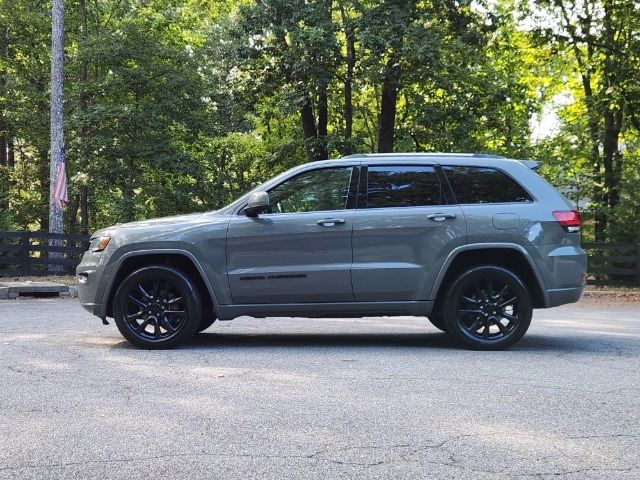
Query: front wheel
{"points": [[488, 307], [157, 307]]}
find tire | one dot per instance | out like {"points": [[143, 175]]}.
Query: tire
{"points": [[488, 307], [157, 307], [437, 320], [205, 323]]}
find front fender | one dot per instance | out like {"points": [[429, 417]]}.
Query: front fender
{"points": [[215, 283]]}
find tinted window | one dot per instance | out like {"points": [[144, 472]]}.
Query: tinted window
{"points": [[403, 186], [315, 190], [484, 185]]}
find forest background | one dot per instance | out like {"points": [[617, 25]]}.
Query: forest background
{"points": [[175, 106]]}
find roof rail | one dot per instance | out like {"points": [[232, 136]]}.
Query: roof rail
{"points": [[422, 154]]}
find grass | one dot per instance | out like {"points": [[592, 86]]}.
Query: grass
{"points": [[612, 288]]}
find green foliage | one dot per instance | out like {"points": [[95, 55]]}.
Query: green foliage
{"points": [[599, 40], [175, 106]]}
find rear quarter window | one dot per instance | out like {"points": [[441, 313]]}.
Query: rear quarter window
{"points": [[484, 185]]}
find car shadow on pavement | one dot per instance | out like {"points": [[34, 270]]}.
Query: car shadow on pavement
{"points": [[532, 343], [573, 343], [556, 344], [330, 340]]}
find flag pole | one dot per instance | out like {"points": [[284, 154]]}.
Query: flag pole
{"points": [[58, 189]]}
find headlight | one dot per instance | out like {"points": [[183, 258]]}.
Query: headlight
{"points": [[98, 244]]}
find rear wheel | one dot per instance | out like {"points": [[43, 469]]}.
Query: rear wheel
{"points": [[157, 307], [488, 307]]}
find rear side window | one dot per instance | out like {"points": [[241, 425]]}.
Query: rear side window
{"points": [[484, 185], [403, 186]]}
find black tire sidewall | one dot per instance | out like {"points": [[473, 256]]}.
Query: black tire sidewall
{"points": [[525, 308], [181, 282]]}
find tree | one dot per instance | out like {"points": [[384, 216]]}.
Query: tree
{"points": [[57, 127], [385, 27], [601, 35], [180, 105], [289, 48]]}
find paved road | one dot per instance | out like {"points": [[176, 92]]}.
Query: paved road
{"points": [[292, 398]]}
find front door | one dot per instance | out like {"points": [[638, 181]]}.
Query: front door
{"points": [[300, 251], [403, 231]]}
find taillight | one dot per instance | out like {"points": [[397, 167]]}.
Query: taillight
{"points": [[569, 219]]}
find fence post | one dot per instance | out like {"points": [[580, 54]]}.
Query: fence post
{"points": [[638, 264], [24, 253]]}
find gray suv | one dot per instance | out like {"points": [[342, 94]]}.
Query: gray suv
{"points": [[473, 242]]}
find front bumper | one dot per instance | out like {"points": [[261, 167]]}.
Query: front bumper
{"points": [[91, 276]]}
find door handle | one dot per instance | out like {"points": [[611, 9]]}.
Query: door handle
{"points": [[330, 222], [440, 217]]}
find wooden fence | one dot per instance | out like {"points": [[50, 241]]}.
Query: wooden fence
{"points": [[613, 263], [28, 253]]}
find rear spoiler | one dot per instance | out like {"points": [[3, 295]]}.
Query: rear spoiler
{"points": [[532, 164]]}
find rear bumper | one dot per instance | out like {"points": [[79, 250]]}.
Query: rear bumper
{"points": [[563, 269], [561, 296]]}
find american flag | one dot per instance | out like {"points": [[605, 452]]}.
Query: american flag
{"points": [[59, 193]]}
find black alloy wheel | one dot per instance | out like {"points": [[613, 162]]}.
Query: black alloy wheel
{"points": [[488, 308], [157, 307]]}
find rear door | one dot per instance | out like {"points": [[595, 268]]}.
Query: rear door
{"points": [[404, 228], [299, 252]]}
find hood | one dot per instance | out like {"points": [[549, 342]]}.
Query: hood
{"points": [[156, 222], [162, 224]]}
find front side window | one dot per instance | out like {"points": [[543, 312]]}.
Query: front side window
{"points": [[403, 186], [312, 191], [484, 185]]}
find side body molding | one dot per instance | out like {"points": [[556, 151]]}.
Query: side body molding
{"points": [[159, 251], [484, 246]]}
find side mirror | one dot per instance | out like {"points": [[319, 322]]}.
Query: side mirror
{"points": [[258, 202]]}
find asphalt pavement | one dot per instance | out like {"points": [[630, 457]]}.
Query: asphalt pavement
{"points": [[330, 398]]}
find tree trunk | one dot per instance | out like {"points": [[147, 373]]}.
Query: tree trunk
{"points": [[610, 150], [309, 129], [4, 133], [83, 156], [599, 194], [388, 101], [84, 210], [72, 214], [128, 191], [612, 159], [57, 131], [11, 152], [323, 120], [348, 82]]}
